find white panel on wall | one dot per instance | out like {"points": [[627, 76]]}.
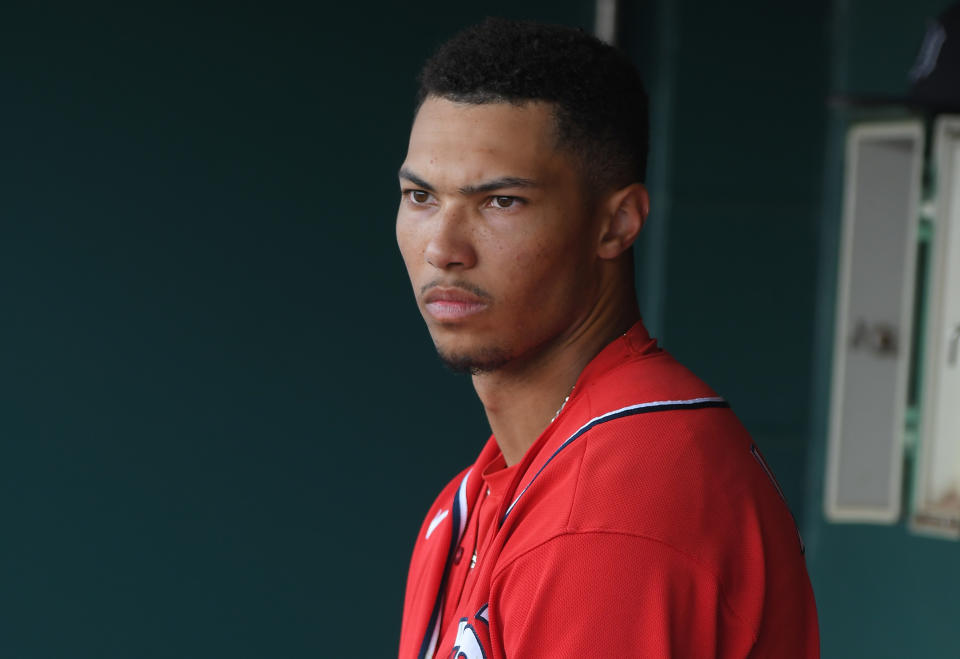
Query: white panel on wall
{"points": [[937, 497], [875, 291]]}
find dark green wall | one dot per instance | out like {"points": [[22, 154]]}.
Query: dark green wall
{"points": [[882, 591], [738, 267], [221, 419], [735, 205]]}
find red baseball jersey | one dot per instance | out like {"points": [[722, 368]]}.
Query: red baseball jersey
{"points": [[643, 522]]}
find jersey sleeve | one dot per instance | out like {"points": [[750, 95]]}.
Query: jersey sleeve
{"points": [[612, 595]]}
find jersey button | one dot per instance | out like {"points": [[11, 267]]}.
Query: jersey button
{"points": [[458, 555]]}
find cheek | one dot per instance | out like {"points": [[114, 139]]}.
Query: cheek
{"points": [[534, 271], [545, 272]]}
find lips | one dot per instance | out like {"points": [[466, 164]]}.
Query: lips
{"points": [[451, 304]]}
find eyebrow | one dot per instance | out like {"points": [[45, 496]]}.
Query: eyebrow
{"points": [[413, 178], [487, 186], [497, 183]]}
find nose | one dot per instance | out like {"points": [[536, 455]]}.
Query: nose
{"points": [[450, 245]]}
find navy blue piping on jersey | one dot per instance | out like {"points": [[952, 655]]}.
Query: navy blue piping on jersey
{"points": [[483, 611], [642, 408], [773, 479], [455, 531]]}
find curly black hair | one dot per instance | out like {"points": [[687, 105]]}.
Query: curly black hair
{"points": [[600, 105]]}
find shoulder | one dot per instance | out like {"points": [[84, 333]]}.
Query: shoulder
{"points": [[657, 434], [677, 469], [675, 472], [659, 456], [652, 483]]}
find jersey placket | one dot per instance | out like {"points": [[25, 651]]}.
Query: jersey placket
{"points": [[457, 580]]}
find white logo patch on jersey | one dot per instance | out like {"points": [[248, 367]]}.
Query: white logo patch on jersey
{"points": [[435, 522], [467, 644]]}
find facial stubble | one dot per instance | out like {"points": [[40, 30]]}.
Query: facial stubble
{"points": [[484, 360]]}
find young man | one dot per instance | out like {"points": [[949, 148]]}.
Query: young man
{"points": [[619, 509]]}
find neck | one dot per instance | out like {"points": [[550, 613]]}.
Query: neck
{"points": [[522, 398]]}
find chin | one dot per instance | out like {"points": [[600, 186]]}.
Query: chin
{"points": [[479, 360]]}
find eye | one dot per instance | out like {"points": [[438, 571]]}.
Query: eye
{"points": [[504, 202], [417, 197]]}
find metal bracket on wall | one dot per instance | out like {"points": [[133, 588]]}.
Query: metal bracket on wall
{"points": [[879, 338]]}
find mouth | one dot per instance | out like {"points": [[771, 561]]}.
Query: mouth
{"points": [[451, 304]]}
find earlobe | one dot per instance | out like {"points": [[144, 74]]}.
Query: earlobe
{"points": [[627, 211]]}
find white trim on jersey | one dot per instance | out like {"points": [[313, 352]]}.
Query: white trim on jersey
{"points": [[462, 501], [434, 637], [456, 535]]}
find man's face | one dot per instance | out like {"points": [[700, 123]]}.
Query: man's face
{"points": [[494, 231]]}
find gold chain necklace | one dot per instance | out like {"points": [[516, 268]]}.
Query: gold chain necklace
{"points": [[562, 405]]}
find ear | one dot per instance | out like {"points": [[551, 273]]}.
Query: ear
{"points": [[624, 213]]}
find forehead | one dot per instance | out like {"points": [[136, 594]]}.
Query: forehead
{"points": [[454, 143]]}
